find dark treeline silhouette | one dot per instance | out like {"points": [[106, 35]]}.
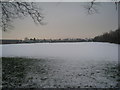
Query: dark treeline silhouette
{"points": [[112, 37], [34, 40]]}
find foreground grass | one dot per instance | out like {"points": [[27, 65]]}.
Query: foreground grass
{"points": [[0, 73], [14, 71]]}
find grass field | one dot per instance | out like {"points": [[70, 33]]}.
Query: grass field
{"points": [[23, 72], [0, 73]]}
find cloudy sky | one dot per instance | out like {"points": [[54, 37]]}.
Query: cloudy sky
{"points": [[66, 20]]}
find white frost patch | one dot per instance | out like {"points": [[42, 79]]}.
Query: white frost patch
{"points": [[76, 51]]}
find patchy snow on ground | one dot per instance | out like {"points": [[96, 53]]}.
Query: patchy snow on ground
{"points": [[67, 65], [0, 67]]}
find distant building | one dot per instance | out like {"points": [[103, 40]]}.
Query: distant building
{"points": [[5, 41]]}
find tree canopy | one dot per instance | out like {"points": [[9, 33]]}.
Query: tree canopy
{"points": [[13, 10]]}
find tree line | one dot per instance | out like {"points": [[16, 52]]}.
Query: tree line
{"points": [[112, 37], [34, 40]]}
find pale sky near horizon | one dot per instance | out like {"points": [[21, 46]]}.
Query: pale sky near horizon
{"points": [[66, 20]]}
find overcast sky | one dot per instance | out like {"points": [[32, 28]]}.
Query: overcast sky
{"points": [[66, 20]]}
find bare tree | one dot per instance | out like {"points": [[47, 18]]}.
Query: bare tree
{"points": [[92, 6], [13, 10]]}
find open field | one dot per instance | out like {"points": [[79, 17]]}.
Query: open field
{"points": [[40, 73], [60, 65], [0, 73]]}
